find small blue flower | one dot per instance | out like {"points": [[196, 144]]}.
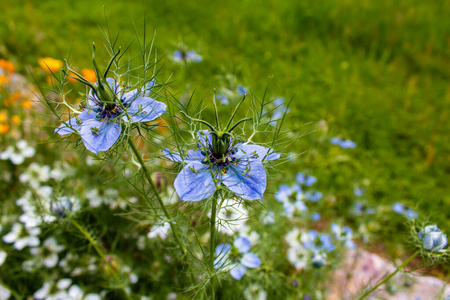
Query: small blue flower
{"points": [[222, 161], [317, 241], [358, 191], [222, 99], [316, 216], [318, 260], [313, 196], [343, 143], [236, 258], [292, 198], [279, 111], [398, 208], [344, 234], [432, 238], [401, 209], [241, 90], [187, 56], [361, 208], [61, 207], [306, 180]]}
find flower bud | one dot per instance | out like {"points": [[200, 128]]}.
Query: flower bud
{"points": [[318, 260], [432, 238], [61, 207]]}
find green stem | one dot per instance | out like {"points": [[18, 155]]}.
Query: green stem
{"points": [[212, 241], [389, 276], [100, 253], [158, 197]]}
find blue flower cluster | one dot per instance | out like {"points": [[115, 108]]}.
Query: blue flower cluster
{"points": [[343, 143], [239, 92], [402, 209], [293, 197]]}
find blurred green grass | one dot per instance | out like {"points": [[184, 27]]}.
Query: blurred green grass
{"points": [[377, 72]]}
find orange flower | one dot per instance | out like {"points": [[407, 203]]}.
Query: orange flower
{"points": [[13, 98], [3, 116], [3, 79], [49, 64], [70, 79], [4, 128], [15, 119], [27, 104], [89, 74], [7, 65]]}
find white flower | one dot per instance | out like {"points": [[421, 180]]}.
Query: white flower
{"points": [[20, 241], [61, 170], [18, 157], [161, 230], [48, 253], [4, 293], [255, 292], [231, 217], [3, 256], [35, 174], [252, 236]]}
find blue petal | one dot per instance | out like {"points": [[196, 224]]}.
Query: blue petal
{"points": [[398, 208], [194, 185], [204, 138], [278, 102], [238, 271], [64, 128], [247, 179], [242, 244], [310, 180], [335, 141], [350, 244], [241, 90], [172, 156], [108, 133], [145, 109], [250, 260], [177, 55], [262, 153], [222, 252], [300, 178]]}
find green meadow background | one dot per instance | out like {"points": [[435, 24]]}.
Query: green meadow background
{"points": [[377, 72]]}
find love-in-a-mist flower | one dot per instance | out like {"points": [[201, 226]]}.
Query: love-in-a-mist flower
{"points": [[110, 107], [292, 198], [432, 238], [221, 160], [187, 56], [236, 257], [344, 234], [343, 143]]}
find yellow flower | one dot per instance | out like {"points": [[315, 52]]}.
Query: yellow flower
{"points": [[13, 98], [27, 104], [50, 65], [3, 79]]}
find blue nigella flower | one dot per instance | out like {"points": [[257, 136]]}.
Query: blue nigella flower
{"points": [[236, 165], [313, 196], [241, 90], [187, 56], [317, 241], [343, 143], [358, 191], [361, 208], [222, 99], [344, 234], [279, 111], [292, 198], [236, 258], [432, 238], [401, 209], [316, 216], [109, 106], [318, 259], [306, 180]]}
